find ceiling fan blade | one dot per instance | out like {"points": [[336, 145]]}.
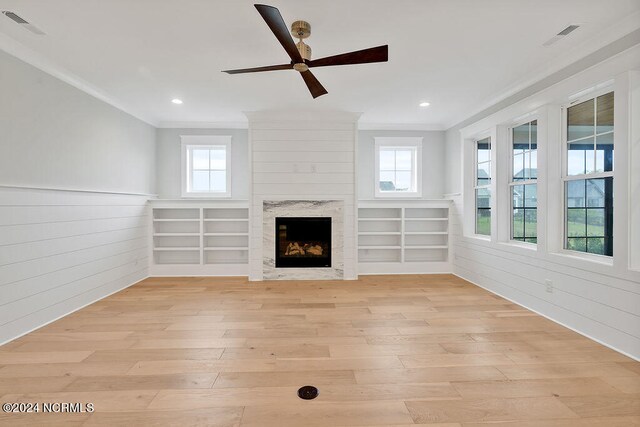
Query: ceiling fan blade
{"points": [[374, 54], [274, 20], [315, 87], [259, 69]]}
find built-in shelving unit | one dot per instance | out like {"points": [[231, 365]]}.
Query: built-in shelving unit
{"points": [[403, 236], [200, 237]]}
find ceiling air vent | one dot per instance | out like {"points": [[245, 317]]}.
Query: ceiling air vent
{"points": [[23, 22], [568, 30]]}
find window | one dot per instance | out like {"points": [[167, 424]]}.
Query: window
{"points": [[524, 173], [482, 186], [398, 167], [206, 168], [589, 176]]}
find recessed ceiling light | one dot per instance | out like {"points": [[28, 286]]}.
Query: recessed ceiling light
{"points": [[176, 101], [424, 104]]}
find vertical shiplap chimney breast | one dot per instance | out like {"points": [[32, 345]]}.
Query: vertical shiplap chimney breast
{"points": [[303, 156]]}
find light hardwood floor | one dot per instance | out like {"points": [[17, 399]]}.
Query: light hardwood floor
{"points": [[385, 350]]}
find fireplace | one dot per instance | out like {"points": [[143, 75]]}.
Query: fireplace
{"points": [[303, 242]]}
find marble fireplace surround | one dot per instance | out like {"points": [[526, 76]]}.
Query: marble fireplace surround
{"points": [[303, 208]]}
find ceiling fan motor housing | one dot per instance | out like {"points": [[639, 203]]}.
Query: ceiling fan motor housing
{"points": [[301, 30]]}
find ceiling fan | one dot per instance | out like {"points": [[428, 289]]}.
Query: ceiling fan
{"points": [[300, 53]]}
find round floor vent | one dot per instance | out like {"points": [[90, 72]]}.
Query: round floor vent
{"points": [[307, 392]]}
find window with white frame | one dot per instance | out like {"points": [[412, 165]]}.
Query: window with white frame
{"points": [[588, 176], [206, 166], [523, 187], [482, 186], [398, 170]]}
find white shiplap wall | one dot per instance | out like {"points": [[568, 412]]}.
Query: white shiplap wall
{"points": [[310, 157], [600, 299], [62, 250]]}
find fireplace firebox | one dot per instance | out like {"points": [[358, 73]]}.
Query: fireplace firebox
{"points": [[303, 242]]}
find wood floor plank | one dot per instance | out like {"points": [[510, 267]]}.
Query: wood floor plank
{"points": [[607, 405], [327, 414], [534, 388], [472, 410], [565, 370], [367, 350], [104, 401], [450, 359], [79, 346], [279, 352], [42, 357], [213, 417], [624, 384], [35, 370], [428, 375], [174, 400], [135, 355], [143, 382], [582, 422], [279, 379], [150, 367], [34, 384], [406, 350]]}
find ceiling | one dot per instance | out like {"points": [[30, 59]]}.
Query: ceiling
{"points": [[459, 55]]}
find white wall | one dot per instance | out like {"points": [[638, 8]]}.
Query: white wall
{"points": [[600, 299], [54, 135], [433, 161], [168, 160], [61, 249]]}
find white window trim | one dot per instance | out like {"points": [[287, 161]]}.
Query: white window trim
{"points": [[205, 141], [588, 95], [399, 142], [530, 118], [491, 186]]}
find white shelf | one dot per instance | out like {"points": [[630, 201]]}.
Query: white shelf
{"points": [[175, 234], [393, 234], [426, 219], [200, 236], [167, 248], [425, 233], [226, 248], [379, 233], [176, 220]]}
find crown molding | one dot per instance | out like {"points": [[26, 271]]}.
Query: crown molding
{"points": [[41, 62], [626, 29], [303, 115], [203, 125], [288, 117], [401, 126]]}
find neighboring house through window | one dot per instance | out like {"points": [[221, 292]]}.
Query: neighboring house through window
{"points": [[589, 176], [398, 170], [482, 186], [524, 174]]}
